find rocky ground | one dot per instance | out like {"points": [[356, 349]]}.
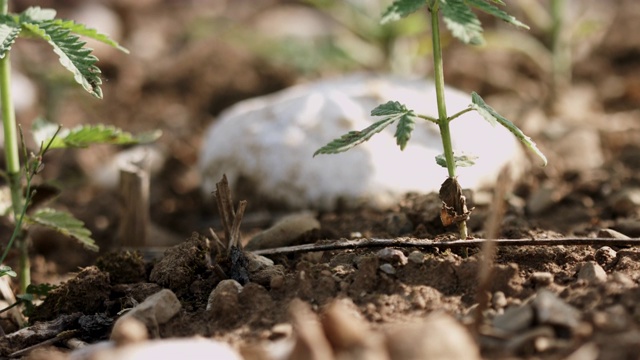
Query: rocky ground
{"points": [[415, 299]]}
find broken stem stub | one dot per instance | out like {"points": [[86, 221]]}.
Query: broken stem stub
{"points": [[231, 219], [454, 205]]}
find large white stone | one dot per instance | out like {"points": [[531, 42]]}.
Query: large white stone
{"points": [[270, 140]]}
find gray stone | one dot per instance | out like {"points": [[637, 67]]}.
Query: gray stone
{"points": [[514, 319], [394, 256], [551, 310], [612, 234], [626, 202], [285, 231], [416, 257], [592, 273], [387, 269], [224, 294], [605, 255], [498, 300], [542, 278], [155, 310]]}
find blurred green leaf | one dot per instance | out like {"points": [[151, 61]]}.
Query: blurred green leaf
{"points": [[492, 116], [64, 223]]}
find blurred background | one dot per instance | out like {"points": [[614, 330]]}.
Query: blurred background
{"points": [[575, 72]]}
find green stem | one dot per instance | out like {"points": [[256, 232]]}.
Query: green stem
{"points": [[438, 70], [443, 120], [12, 157]]}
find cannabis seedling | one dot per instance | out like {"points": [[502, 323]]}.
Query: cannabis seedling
{"points": [[62, 35], [465, 26]]}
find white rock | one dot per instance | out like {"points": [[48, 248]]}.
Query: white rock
{"points": [[193, 348], [270, 141]]}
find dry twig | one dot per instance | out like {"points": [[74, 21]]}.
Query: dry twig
{"points": [[425, 243]]}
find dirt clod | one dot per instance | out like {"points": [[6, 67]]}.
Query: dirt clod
{"points": [[87, 292], [180, 265]]}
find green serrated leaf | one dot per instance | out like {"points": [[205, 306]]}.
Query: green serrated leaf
{"points": [[71, 53], [492, 116], [9, 31], [64, 223], [464, 160], [404, 129], [389, 108], [353, 138], [85, 135], [401, 8], [82, 30], [494, 11], [6, 270], [461, 21]]}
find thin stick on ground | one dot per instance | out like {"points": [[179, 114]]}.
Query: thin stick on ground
{"points": [[431, 244], [503, 187]]}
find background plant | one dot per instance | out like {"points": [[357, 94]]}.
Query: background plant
{"points": [[466, 27], [63, 36]]}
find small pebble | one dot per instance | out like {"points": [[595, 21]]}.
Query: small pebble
{"points": [[416, 257], [592, 273], [622, 279], [605, 255], [551, 310], [225, 293], [542, 278], [388, 269], [612, 234], [393, 256], [498, 300], [514, 319]]}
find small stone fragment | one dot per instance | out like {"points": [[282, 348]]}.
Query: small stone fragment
{"points": [[605, 255], [156, 310], [439, 336], [284, 232], [224, 295], [626, 202], [551, 310], [542, 278], [498, 300], [416, 257], [387, 269], [592, 273], [393, 256], [543, 198], [515, 319], [129, 331], [612, 234], [256, 262]]}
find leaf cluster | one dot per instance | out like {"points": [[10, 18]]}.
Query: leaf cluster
{"points": [[64, 37], [392, 111], [457, 14]]}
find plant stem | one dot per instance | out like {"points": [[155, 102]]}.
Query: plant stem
{"points": [[443, 120], [12, 157]]}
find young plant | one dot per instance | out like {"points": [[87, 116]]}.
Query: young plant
{"points": [[62, 35], [465, 26]]}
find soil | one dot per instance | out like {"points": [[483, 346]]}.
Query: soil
{"points": [[590, 188]]}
